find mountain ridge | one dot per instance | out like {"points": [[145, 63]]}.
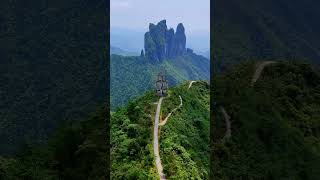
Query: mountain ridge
{"points": [[251, 30], [275, 121], [132, 132], [132, 76]]}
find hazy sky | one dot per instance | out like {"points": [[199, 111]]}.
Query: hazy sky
{"points": [[137, 14]]}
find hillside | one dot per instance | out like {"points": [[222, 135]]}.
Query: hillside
{"points": [[132, 76], [184, 139], [76, 151], [275, 123], [268, 29], [165, 50], [52, 67]]}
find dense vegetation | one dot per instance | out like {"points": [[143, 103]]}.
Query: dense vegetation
{"points": [[52, 67], [267, 29], [77, 151], [275, 123], [184, 140], [131, 139], [133, 75]]}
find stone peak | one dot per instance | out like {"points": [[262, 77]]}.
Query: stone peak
{"points": [[162, 22], [180, 28], [162, 43]]}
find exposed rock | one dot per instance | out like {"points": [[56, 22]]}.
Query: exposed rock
{"points": [[142, 53], [169, 42], [189, 50], [179, 41], [161, 43], [150, 47]]}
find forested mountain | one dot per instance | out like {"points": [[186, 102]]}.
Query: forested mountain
{"points": [[184, 139], [264, 30], [52, 67], [77, 150], [132, 76], [165, 50], [275, 122]]}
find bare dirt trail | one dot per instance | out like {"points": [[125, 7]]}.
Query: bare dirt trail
{"points": [[166, 119], [190, 84], [259, 69], [228, 123]]}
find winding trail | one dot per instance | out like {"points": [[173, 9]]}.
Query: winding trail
{"points": [[190, 84], [259, 69], [166, 119], [156, 133], [228, 124], [156, 141]]}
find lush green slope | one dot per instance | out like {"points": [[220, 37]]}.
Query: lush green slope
{"points": [[52, 67], [275, 123], [267, 29], [184, 139], [134, 75], [77, 151]]}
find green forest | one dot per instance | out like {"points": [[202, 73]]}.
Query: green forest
{"points": [[53, 79], [77, 151], [52, 68], [131, 76], [275, 123], [184, 139], [264, 30]]}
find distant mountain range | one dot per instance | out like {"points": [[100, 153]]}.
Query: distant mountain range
{"points": [[119, 51], [132, 76], [132, 40]]}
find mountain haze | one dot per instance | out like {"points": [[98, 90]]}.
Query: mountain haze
{"points": [[119, 51], [165, 50], [133, 40]]}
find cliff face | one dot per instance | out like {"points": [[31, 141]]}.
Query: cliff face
{"points": [[161, 43]]}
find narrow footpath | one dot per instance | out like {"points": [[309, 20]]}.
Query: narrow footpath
{"points": [[259, 69], [156, 133], [156, 141], [228, 124], [166, 119]]}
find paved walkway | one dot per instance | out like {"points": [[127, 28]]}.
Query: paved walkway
{"points": [[156, 141]]}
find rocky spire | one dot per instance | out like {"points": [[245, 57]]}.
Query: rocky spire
{"points": [[161, 43], [179, 41]]}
